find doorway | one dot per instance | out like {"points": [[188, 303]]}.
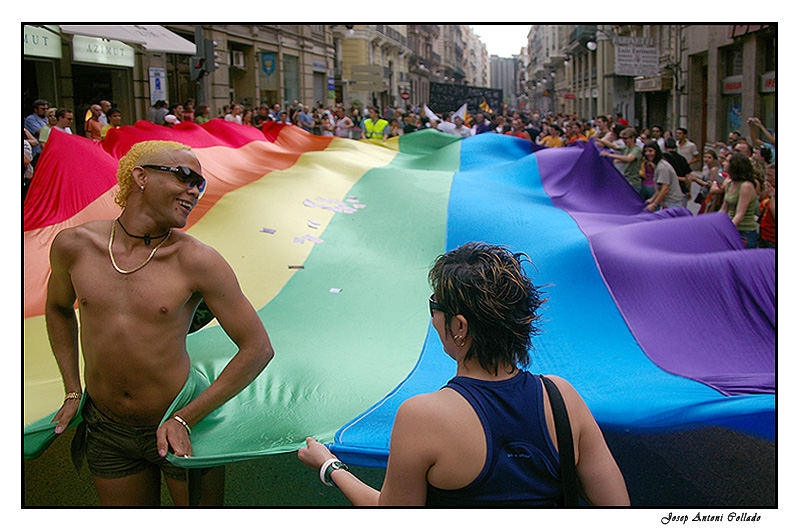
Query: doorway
{"points": [[90, 84]]}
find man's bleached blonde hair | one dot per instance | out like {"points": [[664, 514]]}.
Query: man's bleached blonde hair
{"points": [[139, 153]]}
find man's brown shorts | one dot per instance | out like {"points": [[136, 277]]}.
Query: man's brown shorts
{"points": [[116, 450]]}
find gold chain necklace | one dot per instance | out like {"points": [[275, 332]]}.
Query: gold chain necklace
{"points": [[142, 265]]}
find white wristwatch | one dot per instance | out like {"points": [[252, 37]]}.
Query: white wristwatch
{"points": [[328, 468]]}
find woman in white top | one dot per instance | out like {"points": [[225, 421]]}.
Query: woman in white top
{"points": [[326, 123]]}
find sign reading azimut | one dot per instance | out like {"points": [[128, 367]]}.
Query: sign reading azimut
{"points": [[41, 42], [101, 51]]}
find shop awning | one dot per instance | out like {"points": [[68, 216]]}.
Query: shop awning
{"points": [[152, 38]]}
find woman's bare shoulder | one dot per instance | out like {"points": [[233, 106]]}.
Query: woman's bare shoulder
{"points": [[439, 412], [432, 407]]}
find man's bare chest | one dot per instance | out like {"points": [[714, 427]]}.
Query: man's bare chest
{"points": [[157, 291]]}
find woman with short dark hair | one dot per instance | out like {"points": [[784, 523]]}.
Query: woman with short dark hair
{"points": [[488, 437]]}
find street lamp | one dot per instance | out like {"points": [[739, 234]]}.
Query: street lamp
{"points": [[602, 35]]}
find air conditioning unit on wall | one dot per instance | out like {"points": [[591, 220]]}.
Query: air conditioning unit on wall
{"points": [[237, 59]]}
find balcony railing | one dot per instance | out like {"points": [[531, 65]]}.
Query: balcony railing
{"points": [[392, 34], [583, 34]]}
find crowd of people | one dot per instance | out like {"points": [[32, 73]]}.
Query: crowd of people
{"points": [[100, 118], [659, 164]]}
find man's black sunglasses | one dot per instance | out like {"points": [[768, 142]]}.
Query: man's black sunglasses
{"points": [[185, 174]]}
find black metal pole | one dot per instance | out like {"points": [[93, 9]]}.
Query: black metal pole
{"points": [[200, 92]]}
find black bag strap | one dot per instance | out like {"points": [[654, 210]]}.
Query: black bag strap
{"points": [[566, 452]]}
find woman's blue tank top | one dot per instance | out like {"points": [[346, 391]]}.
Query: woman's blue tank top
{"points": [[522, 466]]}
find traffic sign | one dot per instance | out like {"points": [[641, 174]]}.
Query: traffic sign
{"points": [[405, 95]]}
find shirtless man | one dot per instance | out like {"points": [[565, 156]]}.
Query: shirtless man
{"points": [[138, 283]]}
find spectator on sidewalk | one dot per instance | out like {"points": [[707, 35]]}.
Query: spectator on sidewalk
{"points": [[201, 115], [235, 115], [114, 120], [44, 133], [481, 124], [34, 122], [668, 191], [374, 127], [741, 198], [657, 133], [679, 164], [188, 111], [517, 129], [460, 130], [575, 133], [93, 126], [711, 174], [766, 218], [631, 159], [304, 119], [158, 112], [261, 117], [105, 106], [553, 138], [63, 120], [687, 148], [343, 124]]}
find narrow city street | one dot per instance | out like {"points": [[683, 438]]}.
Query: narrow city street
{"points": [[422, 218]]}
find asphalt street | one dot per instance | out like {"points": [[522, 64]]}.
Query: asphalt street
{"points": [[709, 467]]}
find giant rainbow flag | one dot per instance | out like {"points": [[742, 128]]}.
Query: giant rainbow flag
{"points": [[662, 321]]}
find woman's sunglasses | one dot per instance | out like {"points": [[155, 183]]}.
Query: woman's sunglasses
{"points": [[433, 305]]}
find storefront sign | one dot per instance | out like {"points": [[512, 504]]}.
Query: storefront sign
{"points": [[768, 82], [101, 51], [653, 83], [636, 60], [158, 85], [318, 66], [630, 40], [41, 42], [732, 85]]}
